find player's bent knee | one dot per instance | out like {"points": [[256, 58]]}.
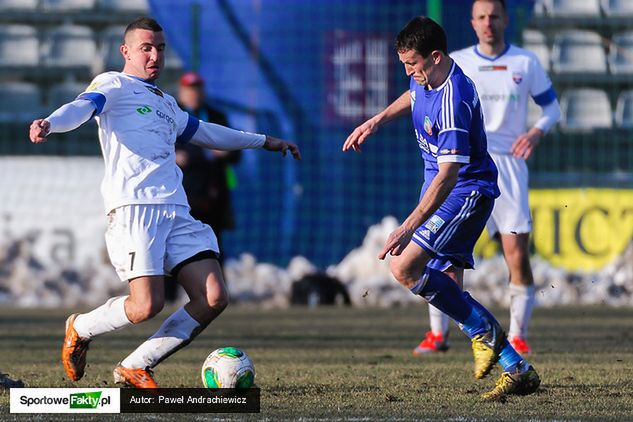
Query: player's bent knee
{"points": [[219, 300], [147, 310], [402, 274]]}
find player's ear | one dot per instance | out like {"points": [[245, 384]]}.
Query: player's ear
{"points": [[437, 56], [124, 49]]}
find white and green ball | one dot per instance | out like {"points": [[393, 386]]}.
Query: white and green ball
{"points": [[228, 367]]}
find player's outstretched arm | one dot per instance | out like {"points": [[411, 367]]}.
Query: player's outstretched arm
{"points": [[398, 108], [214, 136], [66, 118], [275, 144]]}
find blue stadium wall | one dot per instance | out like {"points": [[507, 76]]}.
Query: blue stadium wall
{"points": [[310, 71]]}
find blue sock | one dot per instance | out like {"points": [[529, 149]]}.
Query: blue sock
{"points": [[508, 357], [511, 360], [485, 313], [443, 293], [473, 325]]}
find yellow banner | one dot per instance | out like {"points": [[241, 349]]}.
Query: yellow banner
{"points": [[576, 229]]}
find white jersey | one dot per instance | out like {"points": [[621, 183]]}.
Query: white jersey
{"points": [[138, 127], [504, 83]]}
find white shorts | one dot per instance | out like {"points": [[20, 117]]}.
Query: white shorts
{"points": [[511, 213], [152, 239]]}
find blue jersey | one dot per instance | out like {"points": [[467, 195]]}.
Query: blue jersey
{"points": [[449, 127]]}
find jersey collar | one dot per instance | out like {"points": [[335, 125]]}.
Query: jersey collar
{"points": [[489, 58], [140, 79], [450, 73]]}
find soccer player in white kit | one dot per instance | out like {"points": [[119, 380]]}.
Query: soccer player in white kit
{"points": [[505, 77], [150, 231]]}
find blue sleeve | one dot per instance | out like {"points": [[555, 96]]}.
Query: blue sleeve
{"points": [[546, 97], [95, 98], [190, 130], [453, 140]]}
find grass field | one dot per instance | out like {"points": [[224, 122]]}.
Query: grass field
{"points": [[355, 364]]}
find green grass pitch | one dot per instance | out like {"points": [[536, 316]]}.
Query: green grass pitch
{"points": [[354, 364]]}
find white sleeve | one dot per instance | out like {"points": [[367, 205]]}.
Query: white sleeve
{"points": [[539, 79], [70, 116], [551, 115], [104, 91], [210, 135]]}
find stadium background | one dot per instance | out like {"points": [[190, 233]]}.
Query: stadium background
{"points": [[310, 71]]}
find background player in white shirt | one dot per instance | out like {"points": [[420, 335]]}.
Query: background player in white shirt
{"points": [[505, 76], [150, 232]]}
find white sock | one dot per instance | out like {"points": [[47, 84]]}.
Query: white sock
{"points": [[521, 304], [108, 317], [439, 320], [176, 332]]}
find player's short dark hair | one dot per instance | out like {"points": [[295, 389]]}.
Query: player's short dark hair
{"points": [[502, 2], [423, 35], [143, 22]]}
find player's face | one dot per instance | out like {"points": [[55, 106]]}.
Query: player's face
{"points": [[144, 53], [489, 21], [421, 69]]}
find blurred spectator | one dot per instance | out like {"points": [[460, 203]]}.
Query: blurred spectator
{"points": [[207, 174]]}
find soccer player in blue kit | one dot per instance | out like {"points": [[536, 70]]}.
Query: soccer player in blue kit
{"points": [[434, 244]]}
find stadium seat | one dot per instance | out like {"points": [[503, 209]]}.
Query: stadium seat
{"points": [[124, 5], [19, 102], [19, 45], [70, 46], [624, 110], [67, 5], [111, 40], [585, 109], [577, 51], [21, 5], [572, 8], [63, 93], [621, 53], [535, 42], [617, 8]]}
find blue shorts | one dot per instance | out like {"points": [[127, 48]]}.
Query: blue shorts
{"points": [[449, 235]]}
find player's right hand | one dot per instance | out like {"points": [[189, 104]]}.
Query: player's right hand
{"points": [[39, 131], [358, 136]]}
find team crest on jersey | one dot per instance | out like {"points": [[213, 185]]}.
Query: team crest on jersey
{"points": [[434, 223], [428, 127], [517, 77]]}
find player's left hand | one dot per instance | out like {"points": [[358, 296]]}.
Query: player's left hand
{"points": [[525, 143], [397, 241], [275, 144]]}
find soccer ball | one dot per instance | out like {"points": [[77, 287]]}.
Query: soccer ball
{"points": [[228, 367]]}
